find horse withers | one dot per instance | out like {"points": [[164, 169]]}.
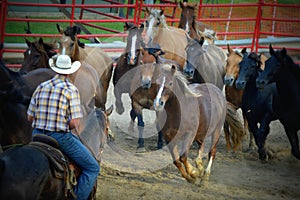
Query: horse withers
{"points": [[282, 70], [188, 113]]}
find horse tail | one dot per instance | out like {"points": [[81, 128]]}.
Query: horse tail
{"points": [[236, 129]]}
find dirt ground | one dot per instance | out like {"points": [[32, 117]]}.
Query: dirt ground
{"points": [[128, 175]]}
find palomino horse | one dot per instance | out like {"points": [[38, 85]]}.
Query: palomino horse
{"points": [[194, 112], [281, 69], [143, 91], [258, 105], [90, 57], [25, 168], [37, 55], [171, 40], [126, 62], [195, 29]]}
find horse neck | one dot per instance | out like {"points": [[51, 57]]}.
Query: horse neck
{"points": [[251, 88]]}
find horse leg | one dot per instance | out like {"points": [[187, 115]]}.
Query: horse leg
{"points": [[160, 142], [188, 167], [211, 155], [141, 125], [132, 117], [294, 141], [246, 128], [199, 163], [119, 104], [261, 136]]}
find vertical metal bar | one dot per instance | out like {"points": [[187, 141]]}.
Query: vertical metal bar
{"points": [[72, 13], [3, 24], [81, 10], [257, 27]]}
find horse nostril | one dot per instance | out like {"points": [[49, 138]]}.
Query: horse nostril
{"points": [[161, 103]]}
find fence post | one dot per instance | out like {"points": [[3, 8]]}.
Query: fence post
{"points": [[3, 16], [256, 34]]}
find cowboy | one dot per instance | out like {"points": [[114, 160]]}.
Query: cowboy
{"points": [[55, 110]]}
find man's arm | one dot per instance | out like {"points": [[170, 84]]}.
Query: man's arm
{"points": [[74, 124], [30, 118]]}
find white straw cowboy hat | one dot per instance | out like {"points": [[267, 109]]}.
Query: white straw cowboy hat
{"points": [[64, 65]]}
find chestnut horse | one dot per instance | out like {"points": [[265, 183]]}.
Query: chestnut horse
{"points": [[194, 112], [93, 58], [126, 62], [171, 40], [143, 91], [282, 70], [195, 29]]}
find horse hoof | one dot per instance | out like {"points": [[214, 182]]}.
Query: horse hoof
{"points": [[141, 150]]}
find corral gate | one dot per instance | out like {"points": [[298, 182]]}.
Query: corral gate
{"points": [[252, 25]]}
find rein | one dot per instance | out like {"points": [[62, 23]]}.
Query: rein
{"points": [[6, 147]]}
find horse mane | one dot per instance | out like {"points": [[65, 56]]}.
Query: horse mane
{"points": [[180, 81]]}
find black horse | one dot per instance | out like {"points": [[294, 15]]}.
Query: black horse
{"points": [[281, 69], [259, 106]]}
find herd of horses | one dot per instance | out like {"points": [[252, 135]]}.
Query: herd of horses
{"points": [[166, 69]]}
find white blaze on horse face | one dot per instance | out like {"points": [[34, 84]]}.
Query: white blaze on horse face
{"points": [[157, 105], [187, 28], [132, 50], [149, 30]]}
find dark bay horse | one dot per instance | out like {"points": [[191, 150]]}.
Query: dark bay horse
{"points": [[25, 170], [93, 58], [172, 40], [188, 113], [129, 59], [258, 105], [282, 70], [195, 29], [37, 55]]}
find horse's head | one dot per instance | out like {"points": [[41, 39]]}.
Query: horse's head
{"points": [[249, 67], [94, 130], [187, 17], [272, 67], [134, 43], [165, 82], [37, 55], [193, 50], [69, 43], [232, 66], [149, 64], [155, 21]]}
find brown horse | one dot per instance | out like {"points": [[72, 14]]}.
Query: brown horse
{"points": [[194, 112], [93, 58], [195, 29], [37, 55], [143, 90], [234, 96], [25, 167], [126, 62], [172, 40]]}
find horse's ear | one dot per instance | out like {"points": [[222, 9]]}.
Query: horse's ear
{"points": [[161, 12], [129, 25], [148, 11], [230, 51], [173, 69], [244, 50], [141, 27], [271, 50], [283, 51], [109, 110], [60, 30], [201, 41], [41, 42], [27, 42]]}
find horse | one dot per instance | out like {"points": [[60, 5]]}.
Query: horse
{"points": [[259, 106], [282, 70], [190, 112], [204, 65], [172, 40], [234, 97], [37, 55], [195, 29], [143, 90], [93, 58], [24, 165], [126, 62]]}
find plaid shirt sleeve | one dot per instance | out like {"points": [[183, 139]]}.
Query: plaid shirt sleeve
{"points": [[32, 106], [75, 107]]}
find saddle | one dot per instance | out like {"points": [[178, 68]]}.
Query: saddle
{"points": [[61, 166]]}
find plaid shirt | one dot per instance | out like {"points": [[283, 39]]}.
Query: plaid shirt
{"points": [[54, 103]]}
